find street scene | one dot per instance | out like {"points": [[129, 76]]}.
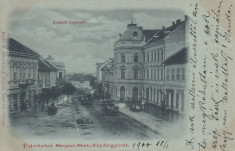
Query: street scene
{"points": [[105, 76]]}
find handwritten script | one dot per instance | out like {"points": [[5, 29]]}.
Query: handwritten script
{"points": [[210, 68]]}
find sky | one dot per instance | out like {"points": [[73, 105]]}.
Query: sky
{"points": [[81, 46]]}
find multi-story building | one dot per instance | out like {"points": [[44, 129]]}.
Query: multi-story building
{"points": [[175, 80], [105, 72], [23, 66], [29, 73], [142, 67], [59, 65], [129, 63], [47, 74]]}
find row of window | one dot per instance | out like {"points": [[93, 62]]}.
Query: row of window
{"points": [[123, 57], [175, 74], [154, 74], [22, 76], [157, 74], [155, 55], [47, 79], [15, 68], [135, 74]]}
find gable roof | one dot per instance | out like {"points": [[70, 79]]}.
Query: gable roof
{"points": [[19, 50], [180, 57]]}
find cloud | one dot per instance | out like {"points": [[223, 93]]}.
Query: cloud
{"points": [[79, 46]]}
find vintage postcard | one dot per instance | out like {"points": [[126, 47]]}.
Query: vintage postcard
{"points": [[117, 75]]}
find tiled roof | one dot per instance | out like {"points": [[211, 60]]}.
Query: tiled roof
{"points": [[180, 57], [164, 32], [17, 49], [59, 64], [44, 65], [149, 33]]}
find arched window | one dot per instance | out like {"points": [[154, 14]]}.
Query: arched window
{"points": [[123, 57], [135, 57], [135, 94], [135, 73], [122, 93]]}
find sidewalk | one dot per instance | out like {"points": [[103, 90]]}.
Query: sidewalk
{"points": [[165, 128]]}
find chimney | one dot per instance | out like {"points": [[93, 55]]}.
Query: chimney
{"points": [[178, 21], [163, 27], [173, 23]]}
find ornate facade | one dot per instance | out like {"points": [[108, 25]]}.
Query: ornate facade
{"points": [[29, 73], [141, 72], [23, 65]]}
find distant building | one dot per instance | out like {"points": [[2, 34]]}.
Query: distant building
{"points": [[105, 72], [68, 76], [60, 66], [81, 84], [23, 66], [80, 80]]}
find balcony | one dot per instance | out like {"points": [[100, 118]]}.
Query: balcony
{"points": [[21, 83], [26, 83]]}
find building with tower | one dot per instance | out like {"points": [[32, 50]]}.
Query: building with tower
{"points": [[151, 65]]}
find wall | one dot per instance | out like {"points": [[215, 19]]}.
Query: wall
{"points": [[175, 41], [52, 78]]}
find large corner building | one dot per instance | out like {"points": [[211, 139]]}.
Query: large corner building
{"points": [[150, 65]]}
